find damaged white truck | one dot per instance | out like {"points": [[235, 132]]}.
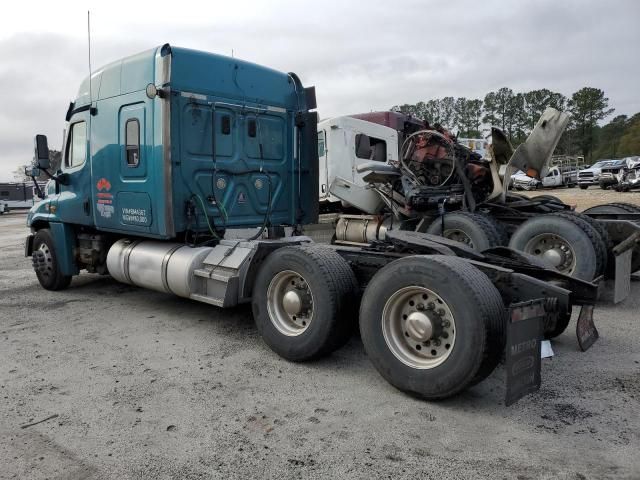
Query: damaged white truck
{"points": [[385, 171]]}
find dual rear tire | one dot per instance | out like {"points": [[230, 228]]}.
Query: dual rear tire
{"points": [[431, 325]]}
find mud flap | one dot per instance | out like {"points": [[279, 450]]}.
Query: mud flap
{"points": [[586, 330], [622, 282], [524, 336]]}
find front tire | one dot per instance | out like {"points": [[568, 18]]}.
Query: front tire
{"points": [[305, 302], [45, 262], [432, 325]]}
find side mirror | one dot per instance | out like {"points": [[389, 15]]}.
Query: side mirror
{"points": [[42, 152], [32, 172]]}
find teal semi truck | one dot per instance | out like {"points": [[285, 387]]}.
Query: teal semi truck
{"points": [[168, 151]]}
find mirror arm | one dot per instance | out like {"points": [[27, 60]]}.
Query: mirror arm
{"points": [[38, 189]]}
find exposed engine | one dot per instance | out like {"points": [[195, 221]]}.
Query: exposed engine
{"points": [[436, 170]]}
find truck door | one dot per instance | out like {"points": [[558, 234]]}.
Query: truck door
{"points": [[74, 202], [122, 179]]}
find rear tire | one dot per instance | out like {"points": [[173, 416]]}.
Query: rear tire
{"points": [[615, 208], [45, 262], [473, 229], [460, 302], [599, 242], [549, 198], [305, 301], [576, 254]]}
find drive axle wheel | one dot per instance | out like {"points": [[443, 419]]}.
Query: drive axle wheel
{"points": [[432, 325], [474, 230], [563, 243], [290, 303], [45, 262], [418, 327], [619, 208], [554, 250], [304, 301]]}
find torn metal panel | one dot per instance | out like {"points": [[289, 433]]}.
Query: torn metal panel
{"points": [[534, 155]]}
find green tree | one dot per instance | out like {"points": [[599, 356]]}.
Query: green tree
{"points": [[468, 115], [630, 140], [447, 112], [609, 137], [505, 110], [474, 111], [587, 107], [536, 101], [432, 111]]}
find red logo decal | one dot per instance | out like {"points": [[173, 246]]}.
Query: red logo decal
{"points": [[103, 184]]}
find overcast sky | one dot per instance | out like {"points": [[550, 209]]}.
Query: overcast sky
{"points": [[361, 56]]}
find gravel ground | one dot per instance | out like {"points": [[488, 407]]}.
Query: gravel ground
{"points": [[146, 385], [590, 197]]}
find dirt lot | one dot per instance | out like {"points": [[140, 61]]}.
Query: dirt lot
{"points": [[146, 385], [590, 197]]}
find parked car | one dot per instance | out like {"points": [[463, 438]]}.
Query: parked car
{"points": [[560, 177], [628, 178], [521, 181], [609, 173], [591, 176]]}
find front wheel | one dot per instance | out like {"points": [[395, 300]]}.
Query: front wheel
{"points": [[45, 262], [432, 325]]}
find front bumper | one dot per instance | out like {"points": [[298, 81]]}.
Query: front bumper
{"points": [[588, 181]]}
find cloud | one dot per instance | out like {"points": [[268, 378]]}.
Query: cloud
{"points": [[361, 56]]}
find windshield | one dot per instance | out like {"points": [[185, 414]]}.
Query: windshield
{"points": [[600, 164]]}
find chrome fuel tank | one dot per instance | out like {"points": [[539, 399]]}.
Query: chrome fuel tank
{"points": [[165, 267]]}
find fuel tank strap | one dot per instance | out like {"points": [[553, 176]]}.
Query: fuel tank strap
{"points": [[125, 262], [163, 268]]}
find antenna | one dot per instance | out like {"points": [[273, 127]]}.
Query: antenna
{"points": [[89, 37]]}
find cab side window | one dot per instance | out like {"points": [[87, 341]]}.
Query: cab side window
{"points": [[371, 148], [132, 142], [77, 151]]}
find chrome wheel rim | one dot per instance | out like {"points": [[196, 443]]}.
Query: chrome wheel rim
{"points": [[290, 303], [554, 250], [418, 327], [458, 236], [45, 261]]}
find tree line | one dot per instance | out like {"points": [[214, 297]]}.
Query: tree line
{"points": [[516, 113]]}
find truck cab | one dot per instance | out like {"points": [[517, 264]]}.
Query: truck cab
{"points": [[554, 178], [174, 143], [344, 143]]}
